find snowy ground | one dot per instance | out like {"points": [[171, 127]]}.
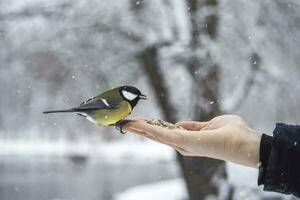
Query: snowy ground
{"points": [[165, 190], [243, 179]]}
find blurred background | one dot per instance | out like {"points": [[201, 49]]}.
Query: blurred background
{"points": [[195, 59]]}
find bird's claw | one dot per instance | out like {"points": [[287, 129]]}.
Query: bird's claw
{"points": [[120, 124], [119, 128]]}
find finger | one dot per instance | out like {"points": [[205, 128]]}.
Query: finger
{"points": [[164, 134], [157, 139], [177, 148], [192, 125], [128, 123]]}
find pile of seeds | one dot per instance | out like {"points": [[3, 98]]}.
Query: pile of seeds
{"points": [[162, 123]]}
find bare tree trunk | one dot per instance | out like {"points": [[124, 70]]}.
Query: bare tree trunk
{"points": [[198, 172], [149, 59]]}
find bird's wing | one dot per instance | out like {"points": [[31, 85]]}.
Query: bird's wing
{"points": [[98, 104]]}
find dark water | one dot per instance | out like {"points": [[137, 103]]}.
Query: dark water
{"points": [[37, 178]]}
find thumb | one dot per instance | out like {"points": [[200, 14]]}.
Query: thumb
{"points": [[192, 125]]}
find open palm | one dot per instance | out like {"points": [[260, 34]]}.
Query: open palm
{"points": [[225, 137]]}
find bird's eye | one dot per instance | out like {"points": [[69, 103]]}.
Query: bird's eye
{"points": [[128, 95]]}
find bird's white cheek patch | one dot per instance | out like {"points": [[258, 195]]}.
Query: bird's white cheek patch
{"points": [[128, 95]]}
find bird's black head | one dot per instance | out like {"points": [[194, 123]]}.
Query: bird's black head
{"points": [[131, 94]]}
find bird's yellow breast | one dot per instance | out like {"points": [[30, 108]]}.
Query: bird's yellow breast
{"points": [[105, 117]]}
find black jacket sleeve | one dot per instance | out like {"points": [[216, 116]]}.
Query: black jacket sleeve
{"points": [[279, 169]]}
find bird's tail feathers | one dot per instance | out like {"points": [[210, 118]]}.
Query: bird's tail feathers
{"points": [[60, 111]]}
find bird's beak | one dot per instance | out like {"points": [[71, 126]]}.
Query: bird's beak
{"points": [[142, 96]]}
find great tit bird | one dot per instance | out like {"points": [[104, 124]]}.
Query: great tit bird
{"points": [[108, 108]]}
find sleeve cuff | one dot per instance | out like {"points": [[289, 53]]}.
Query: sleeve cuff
{"points": [[279, 160], [264, 153]]}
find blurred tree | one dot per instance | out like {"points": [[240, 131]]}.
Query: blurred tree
{"points": [[198, 172]]}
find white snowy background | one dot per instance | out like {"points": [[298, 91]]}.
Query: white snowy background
{"points": [[56, 54]]}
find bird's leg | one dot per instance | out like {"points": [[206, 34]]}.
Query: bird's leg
{"points": [[120, 124], [119, 128]]}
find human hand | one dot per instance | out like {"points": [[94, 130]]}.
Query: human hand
{"points": [[225, 137]]}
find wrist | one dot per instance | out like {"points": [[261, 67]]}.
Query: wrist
{"points": [[246, 151], [252, 149]]}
